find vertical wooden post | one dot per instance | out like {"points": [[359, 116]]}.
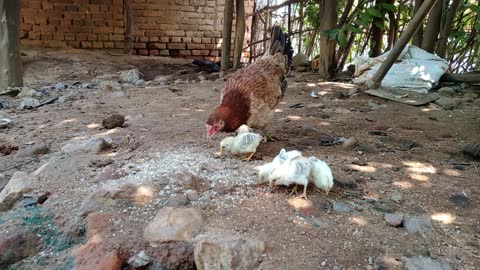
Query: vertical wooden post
{"points": [[252, 32], [239, 33], [401, 43], [11, 73], [128, 41], [227, 33]]}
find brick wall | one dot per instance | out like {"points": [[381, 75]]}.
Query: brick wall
{"points": [[178, 28]]}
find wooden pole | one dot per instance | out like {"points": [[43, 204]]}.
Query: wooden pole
{"points": [[239, 33], [401, 43], [11, 74], [227, 33], [128, 40]]}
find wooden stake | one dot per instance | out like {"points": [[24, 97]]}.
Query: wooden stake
{"points": [[11, 73], [239, 33], [227, 33]]}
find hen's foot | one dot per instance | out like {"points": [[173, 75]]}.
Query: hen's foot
{"points": [[294, 190]]}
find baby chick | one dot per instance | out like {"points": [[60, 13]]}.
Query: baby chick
{"points": [[321, 174], [292, 171], [265, 170], [243, 129], [243, 143]]}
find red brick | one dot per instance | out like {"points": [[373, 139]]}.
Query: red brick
{"points": [[58, 36], [102, 37], [119, 45], [86, 44], [176, 46], [82, 37], [92, 37], [116, 37], [34, 35], [139, 45], [69, 37], [54, 43], [40, 20], [185, 52], [109, 45], [26, 27], [97, 44], [74, 44], [154, 52], [46, 36], [142, 52], [44, 28], [196, 46], [160, 46]]}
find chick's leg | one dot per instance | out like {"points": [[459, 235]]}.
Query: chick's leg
{"points": [[294, 190], [304, 194], [249, 157]]}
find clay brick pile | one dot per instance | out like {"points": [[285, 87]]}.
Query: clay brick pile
{"points": [[177, 28]]}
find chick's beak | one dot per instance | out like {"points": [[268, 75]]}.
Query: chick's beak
{"points": [[221, 150]]}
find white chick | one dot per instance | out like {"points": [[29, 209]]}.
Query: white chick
{"points": [[292, 171], [320, 174], [265, 170], [243, 129], [244, 143]]}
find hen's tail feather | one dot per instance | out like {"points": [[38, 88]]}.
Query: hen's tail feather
{"points": [[280, 42]]}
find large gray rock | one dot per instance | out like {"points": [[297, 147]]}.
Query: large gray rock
{"points": [[425, 263], [29, 93], [418, 225], [28, 103], [34, 150], [448, 103], [174, 224], [300, 60], [113, 121], [227, 252], [394, 220], [130, 76], [19, 184], [90, 145]]}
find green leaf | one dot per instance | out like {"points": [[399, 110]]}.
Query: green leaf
{"points": [[375, 12], [477, 26], [388, 6], [354, 29], [332, 33], [342, 39], [379, 24]]}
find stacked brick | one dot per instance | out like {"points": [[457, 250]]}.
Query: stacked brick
{"points": [[178, 28]]}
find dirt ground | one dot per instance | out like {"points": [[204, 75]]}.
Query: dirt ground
{"points": [[165, 135]]}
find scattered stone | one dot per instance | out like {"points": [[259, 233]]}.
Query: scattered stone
{"points": [[201, 77], [192, 195], [140, 82], [174, 224], [139, 260], [446, 91], [396, 197], [188, 180], [387, 263], [19, 184], [300, 60], [472, 150], [17, 245], [28, 103], [350, 143], [177, 200], [113, 121], [472, 96], [400, 143], [5, 123], [7, 149], [34, 150], [29, 93], [60, 86], [172, 255], [301, 69], [418, 225], [130, 76], [448, 103], [346, 183], [140, 194], [459, 167], [114, 95], [91, 145], [93, 255], [460, 200], [72, 96], [227, 252], [340, 207], [426, 263], [394, 220]]}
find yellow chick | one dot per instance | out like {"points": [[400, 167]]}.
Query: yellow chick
{"points": [[320, 174], [265, 170], [243, 129], [244, 143], [293, 171]]}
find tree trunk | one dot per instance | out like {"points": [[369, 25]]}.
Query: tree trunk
{"points": [[401, 43], [11, 74], [252, 33], [227, 33], [432, 29], [417, 38], [446, 28], [300, 27], [239, 33], [327, 62], [128, 41], [392, 31]]}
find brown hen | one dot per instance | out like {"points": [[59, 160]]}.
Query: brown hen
{"points": [[251, 94]]}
